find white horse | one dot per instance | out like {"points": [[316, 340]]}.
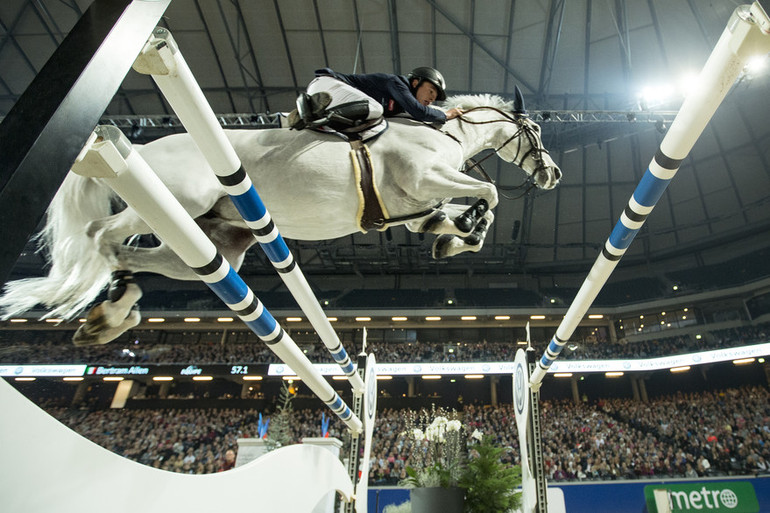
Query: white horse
{"points": [[306, 181]]}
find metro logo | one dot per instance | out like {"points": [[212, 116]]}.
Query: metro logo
{"points": [[721, 496]]}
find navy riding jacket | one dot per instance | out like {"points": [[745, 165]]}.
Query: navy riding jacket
{"points": [[392, 91]]}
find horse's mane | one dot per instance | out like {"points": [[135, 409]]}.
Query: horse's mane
{"points": [[468, 101]]}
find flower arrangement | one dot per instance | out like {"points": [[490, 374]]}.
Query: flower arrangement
{"points": [[438, 449], [439, 458]]}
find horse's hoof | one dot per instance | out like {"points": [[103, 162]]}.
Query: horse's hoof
{"points": [[468, 219], [475, 238], [441, 246], [433, 221]]}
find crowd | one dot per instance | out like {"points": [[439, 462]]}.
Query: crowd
{"points": [[42, 351], [682, 435]]}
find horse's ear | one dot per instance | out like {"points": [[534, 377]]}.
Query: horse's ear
{"points": [[518, 102]]}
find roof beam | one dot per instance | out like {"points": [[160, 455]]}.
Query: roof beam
{"points": [[550, 48], [481, 45], [395, 52]]}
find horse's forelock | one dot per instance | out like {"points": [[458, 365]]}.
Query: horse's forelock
{"points": [[469, 101]]}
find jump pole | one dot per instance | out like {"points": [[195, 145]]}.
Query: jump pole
{"points": [[747, 34], [162, 59], [109, 156]]}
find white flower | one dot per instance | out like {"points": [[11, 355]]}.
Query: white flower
{"points": [[435, 433], [418, 434], [454, 425], [478, 435]]}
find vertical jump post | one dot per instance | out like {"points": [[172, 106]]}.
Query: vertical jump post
{"points": [[162, 59], [747, 34]]}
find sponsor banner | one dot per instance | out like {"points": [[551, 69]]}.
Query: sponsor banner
{"points": [[575, 366], [407, 369], [41, 370], [130, 370], [666, 362], [705, 496]]}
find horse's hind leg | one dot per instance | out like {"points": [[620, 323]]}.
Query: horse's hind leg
{"points": [[110, 319]]}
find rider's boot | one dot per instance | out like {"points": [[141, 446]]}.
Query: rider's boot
{"points": [[350, 117], [310, 108]]}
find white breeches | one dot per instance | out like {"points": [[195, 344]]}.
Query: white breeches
{"points": [[344, 93]]}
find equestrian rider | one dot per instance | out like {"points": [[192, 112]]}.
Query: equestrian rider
{"points": [[352, 103]]}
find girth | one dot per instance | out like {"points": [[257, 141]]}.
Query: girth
{"points": [[372, 212]]}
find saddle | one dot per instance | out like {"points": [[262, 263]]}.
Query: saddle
{"points": [[372, 213]]}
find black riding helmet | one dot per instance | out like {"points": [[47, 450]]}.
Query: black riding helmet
{"points": [[431, 75]]}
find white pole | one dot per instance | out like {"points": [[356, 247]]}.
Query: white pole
{"points": [[747, 34]]}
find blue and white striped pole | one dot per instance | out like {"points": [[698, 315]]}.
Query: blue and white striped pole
{"points": [[110, 157], [747, 34], [162, 59]]}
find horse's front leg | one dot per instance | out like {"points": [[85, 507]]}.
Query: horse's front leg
{"points": [[447, 245], [451, 219], [444, 181]]}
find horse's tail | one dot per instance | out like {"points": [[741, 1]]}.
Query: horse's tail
{"points": [[78, 271]]}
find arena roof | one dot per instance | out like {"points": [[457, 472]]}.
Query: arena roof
{"points": [[603, 78]]}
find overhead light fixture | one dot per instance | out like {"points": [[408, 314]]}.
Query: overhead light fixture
{"points": [[474, 376], [431, 376], [384, 377], [468, 318], [615, 374], [684, 368], [537, 317], [433, 318], [502, 317], [252, 378], [202, 378], [192, 319], [73, 378], [363, 319], [398, 319], [596, 316], [294, 319], [163, 378], [156, 319], [112, 378], [25, 378], [53, 321], [562, 375], [18, 320], [225, 319], [744, 361], [339, 378], [331, 319]]}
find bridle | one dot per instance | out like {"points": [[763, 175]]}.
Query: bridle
{"points": [[535, 148]]}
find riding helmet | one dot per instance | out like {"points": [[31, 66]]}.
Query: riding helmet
{"points": [[431, 75]]}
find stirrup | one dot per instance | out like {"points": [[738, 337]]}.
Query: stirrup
{"points": [[309, 109]]}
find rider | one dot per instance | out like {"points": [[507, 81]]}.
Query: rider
{"points": [[355, 102]]}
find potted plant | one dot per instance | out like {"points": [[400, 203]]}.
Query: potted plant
{"points": [[437, 462], [489, 484]]}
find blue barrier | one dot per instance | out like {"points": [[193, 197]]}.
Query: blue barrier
{"points": [[600, 496]]}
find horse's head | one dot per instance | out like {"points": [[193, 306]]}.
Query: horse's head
{"points": [[525, 148]]}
